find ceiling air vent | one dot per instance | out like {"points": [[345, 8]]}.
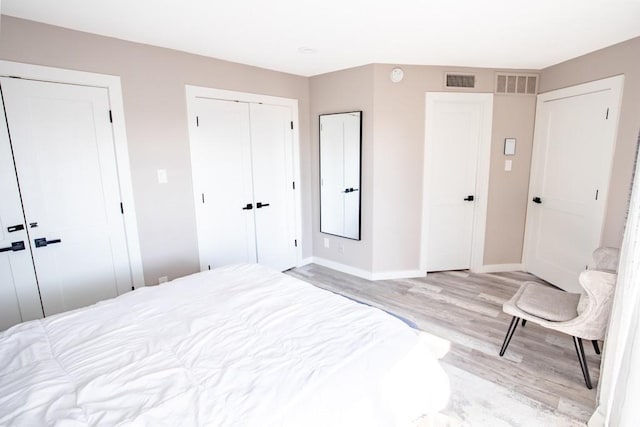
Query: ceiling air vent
{"points": [[465, 81], [516, 84]]}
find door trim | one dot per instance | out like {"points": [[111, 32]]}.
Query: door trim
{"points": [[482, 173], [616, 85], [193, 92], [114, 88]]}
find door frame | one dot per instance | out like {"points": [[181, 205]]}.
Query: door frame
{"points": [[482, 173], [114, 89], [193, 92], [616, 85]]}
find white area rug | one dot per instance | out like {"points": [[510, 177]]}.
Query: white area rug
{"points": [[477, 402]]}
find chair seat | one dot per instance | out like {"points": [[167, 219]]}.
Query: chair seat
{"points": [[548, 303]]}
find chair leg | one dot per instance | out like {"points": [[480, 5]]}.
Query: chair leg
{"points": [[577, 342], [507, 338], [524, 322], [595, 346]]}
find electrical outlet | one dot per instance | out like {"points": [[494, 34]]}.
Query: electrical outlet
{"points": [[326, 242], [162, 176], [163, 279]]}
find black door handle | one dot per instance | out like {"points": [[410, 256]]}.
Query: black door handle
{"points": [[537, 200], [15, 228], [248, 207], [15, 247], [44, 242], [350, 190], [261, 205], [468, 198]]}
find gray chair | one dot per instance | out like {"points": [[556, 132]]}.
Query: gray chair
{"points": [[583, 316]]}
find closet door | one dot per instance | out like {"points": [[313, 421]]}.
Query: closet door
{"points": [[221, 164], [19, 297], [65, 161], [272, 154]]}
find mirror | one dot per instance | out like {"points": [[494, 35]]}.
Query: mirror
{"points": [[340, 143]]}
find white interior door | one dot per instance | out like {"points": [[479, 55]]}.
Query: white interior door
{"points": [[221, 164], [272, 158], [19, 297], [573, 149], [458, 128], [64, 156]]}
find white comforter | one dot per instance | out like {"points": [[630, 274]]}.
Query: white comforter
{"points": [[236, 346]]}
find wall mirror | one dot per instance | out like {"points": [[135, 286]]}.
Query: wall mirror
{"points": [[340, 146]]}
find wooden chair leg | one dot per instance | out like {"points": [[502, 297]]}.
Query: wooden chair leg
{"points": [[595, 346], [577, 342], [507, 338]]}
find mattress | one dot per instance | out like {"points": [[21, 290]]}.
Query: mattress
{"points": [[235, 346]]}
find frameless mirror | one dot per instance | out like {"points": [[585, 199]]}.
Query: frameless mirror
{"points": [[340, 142]]}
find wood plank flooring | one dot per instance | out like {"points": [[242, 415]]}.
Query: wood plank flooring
{"points": [[466, 309]]}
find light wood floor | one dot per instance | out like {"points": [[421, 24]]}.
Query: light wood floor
{"points": [[466, 309]]}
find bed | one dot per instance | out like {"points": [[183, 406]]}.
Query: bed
{"points": [[236, 346]]}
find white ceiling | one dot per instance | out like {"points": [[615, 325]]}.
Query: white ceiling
{"points": [[347, 33]]}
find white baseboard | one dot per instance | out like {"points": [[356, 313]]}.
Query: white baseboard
{"points": [[499, 268], [342, 267], [400, 274], [364, 274]]}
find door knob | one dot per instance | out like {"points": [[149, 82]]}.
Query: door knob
{"points": [[248, 207], [13, 228], [44, 242], [468, 198], [261, 205], [537, 200], [15, 247]]}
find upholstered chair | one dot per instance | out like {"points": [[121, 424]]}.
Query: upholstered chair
{"points": [[583, 316]]}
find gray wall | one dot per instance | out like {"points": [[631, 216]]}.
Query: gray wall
{"points": [[153, 81]]}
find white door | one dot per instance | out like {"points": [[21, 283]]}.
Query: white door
{"points": [[65, 161], [458, 132], [242, 160], [573, 149], [272, 155], [19, 297]]}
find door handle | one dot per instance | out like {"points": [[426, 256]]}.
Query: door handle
{"points": [[537, 200], [44, 242], [13, 228], [350, 190], [261, 205], [468, 198], [15, 247], [248, 207]]}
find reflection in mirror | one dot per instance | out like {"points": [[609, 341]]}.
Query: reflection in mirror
{"points": [[340, 142]]}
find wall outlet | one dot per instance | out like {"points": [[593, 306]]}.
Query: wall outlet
{"points": [[162, 176], [507, 165], [163, 279], [326, 242]]}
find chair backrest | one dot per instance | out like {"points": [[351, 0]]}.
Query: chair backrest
{"points": [[605, 259], [595, 305]]}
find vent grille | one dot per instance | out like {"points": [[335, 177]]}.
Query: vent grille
{"points": [[459, 80], [516, 84]]}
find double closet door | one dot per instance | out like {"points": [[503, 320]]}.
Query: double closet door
{"points": [[62, 236], [242, 161]]}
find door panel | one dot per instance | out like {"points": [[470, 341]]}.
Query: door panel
{"points": [[65, 160], [455, 132], [221, 163], [272, 159], [19, 297], [572, 160]]}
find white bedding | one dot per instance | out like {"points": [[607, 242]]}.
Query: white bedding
{"points": [[235, 346]]}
